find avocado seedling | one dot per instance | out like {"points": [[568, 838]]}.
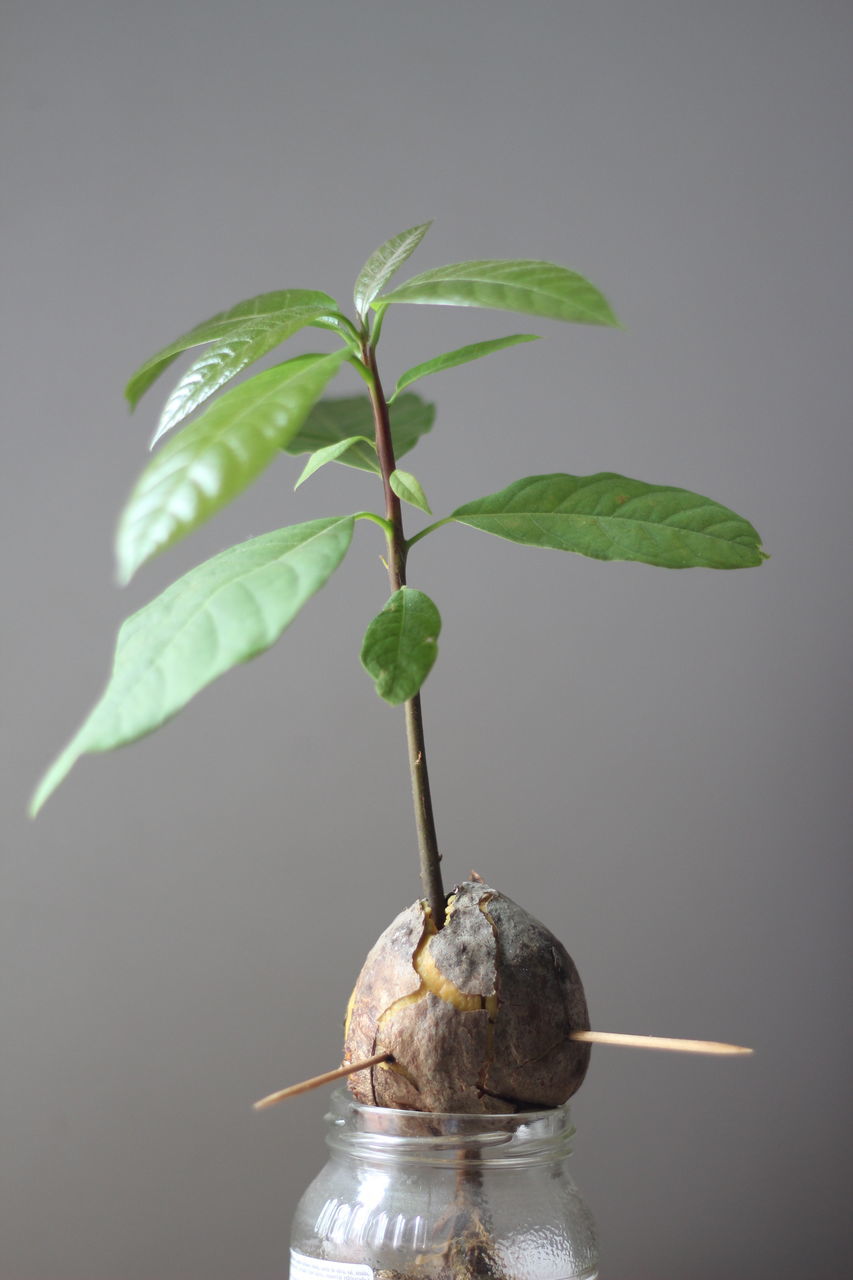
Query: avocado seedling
{"points": [[465, 1003]]}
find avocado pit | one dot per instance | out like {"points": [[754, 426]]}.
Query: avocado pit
{"points": [[477, 1016]]}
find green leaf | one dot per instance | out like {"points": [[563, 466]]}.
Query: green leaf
{"points": [[223, 612], [263, 311], [534, 288], [217, 456], [343, 327], [223, 361], [338, 419], [400, 645], [462, 355], [612, 518], [382, 264], [329, 454], [407, 487]]}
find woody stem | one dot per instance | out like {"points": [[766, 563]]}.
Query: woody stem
{"points": [[430, 858]]}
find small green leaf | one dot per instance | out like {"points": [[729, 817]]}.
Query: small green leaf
{"points": [[610, 517], [343, 327], [217, 456], [534, 288], [340, 418], [400, 645], [462, 355], [223, 612], [223, 361], [329, 454], [264, 310], [407, 487], [382, 264]]}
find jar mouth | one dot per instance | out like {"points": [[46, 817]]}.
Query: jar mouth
{"points": [[479, 1118], [365, 1129]]}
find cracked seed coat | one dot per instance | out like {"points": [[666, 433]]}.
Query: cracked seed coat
{"points": [[477, 1016]]}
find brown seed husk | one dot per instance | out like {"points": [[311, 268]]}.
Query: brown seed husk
{"points": [[477, 1016]]}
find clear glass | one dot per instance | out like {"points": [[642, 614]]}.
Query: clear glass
{"points": [[417, 1196]]}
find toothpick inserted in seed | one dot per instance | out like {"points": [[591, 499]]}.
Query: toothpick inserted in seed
{"points": [[671, 1043], [316, 1082]]}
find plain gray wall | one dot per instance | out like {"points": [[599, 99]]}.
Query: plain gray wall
{"points": [[655, 764]]}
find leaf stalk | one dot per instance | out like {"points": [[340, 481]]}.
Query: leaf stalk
{"points": [[380, 520], [416, 537]]}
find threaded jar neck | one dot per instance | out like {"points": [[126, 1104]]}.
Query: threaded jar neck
{"points": [[384, 1134]]}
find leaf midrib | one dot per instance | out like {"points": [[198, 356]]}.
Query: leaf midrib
{"points": [[615, 520], [141, 670], [398, 639], [186, 453], [228, 327], [536, 290]]}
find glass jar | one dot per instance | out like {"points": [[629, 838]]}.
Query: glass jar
{"points": [[409, 1195]]}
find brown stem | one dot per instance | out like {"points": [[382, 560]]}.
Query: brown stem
{"points": [[430, 858]]}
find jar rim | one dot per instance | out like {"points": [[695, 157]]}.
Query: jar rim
{"points": [[383, 1133], [520, 1117]]}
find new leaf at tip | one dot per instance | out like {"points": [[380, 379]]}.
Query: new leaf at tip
{"points": [[221, 613], [217, 456], [383, 263], [258, 313], [525, 285], [401, 645], [610, 517]]}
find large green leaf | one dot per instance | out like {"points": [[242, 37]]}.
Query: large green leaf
{"points": [[262, 311], [462, 355], [534, 288], [382, 264], [612, 518], [224, 360], [223, 612], [400, 645], [337, 419], [217, 456]]}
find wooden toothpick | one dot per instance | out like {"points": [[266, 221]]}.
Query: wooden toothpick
{"points": [[317, 1081], [671, 1043]]}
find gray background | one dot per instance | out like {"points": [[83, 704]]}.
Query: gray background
{"points": [[656, 764]]}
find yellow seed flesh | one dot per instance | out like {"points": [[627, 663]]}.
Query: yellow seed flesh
{"points": [[433, 981]]}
